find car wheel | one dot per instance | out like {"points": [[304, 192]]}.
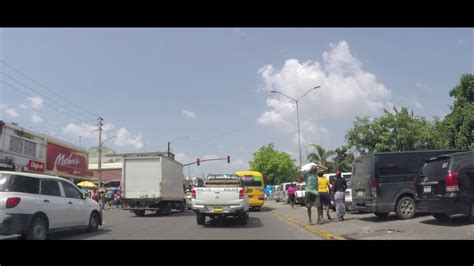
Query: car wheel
{"points": [[243, 218], [37, 230], [94, 221], [441, 217], [471, 217], [405, 208], [200, 219], [381, 215], [139, 212]]}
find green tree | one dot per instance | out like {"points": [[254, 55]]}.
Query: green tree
{"points": [[278, 166], [397, 131], [343, 159], [321, 156], [459, 124]]}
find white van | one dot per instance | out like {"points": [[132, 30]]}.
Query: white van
{"points": [[34, 205]]}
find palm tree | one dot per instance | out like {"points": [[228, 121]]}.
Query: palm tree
{"points": [[321, 155]]}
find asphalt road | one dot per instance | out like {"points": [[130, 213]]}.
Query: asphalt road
{"points": [[123, 225]]}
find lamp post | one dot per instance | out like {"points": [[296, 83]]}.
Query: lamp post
{"points": [[100, 159], [169, 143], [297, 114]]}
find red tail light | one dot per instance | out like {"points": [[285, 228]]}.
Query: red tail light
{"points": [[241, 193], [193, 194], [12, 202], [373, 187], [261, 198], [452, 182]]}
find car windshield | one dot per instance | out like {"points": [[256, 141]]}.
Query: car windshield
{"points": [[4, 182]]}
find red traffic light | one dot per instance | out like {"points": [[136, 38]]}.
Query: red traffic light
{"points": [[228, 159], [197, 161]]}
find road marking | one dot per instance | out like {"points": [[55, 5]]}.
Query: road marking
{"points": [[310, 228]]}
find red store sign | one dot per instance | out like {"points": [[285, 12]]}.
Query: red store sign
{"points": [[67, 161], [36, 166]]}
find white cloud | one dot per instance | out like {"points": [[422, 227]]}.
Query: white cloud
{"points": [[189, 114], [417, 104], [423, 87], [125, 139], [35, 102], [346, 91], [83, 130], [3, 106], [460, 42], [36, 119], [12, 112], [182, 158]]}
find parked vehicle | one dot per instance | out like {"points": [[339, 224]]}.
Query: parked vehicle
{"points": [[350, 205], [253, 181], [152, 182], [383, 182], [221, 196], [274, 192], [34, 205], [300, 193], [446, 186], [282, 194]]}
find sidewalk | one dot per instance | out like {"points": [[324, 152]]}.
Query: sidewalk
{"points": [[368, 226]]}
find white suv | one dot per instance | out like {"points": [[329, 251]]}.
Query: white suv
{"points": [[34, 205]]}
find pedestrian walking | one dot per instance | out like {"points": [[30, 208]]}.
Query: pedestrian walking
{"points": [[291, 195], [310, 172], [324, 196], [340, 187]]}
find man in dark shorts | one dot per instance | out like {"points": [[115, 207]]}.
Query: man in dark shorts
{"points": [[311, 191]]}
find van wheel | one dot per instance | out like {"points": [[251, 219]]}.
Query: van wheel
{"points": [[200, 219], [37, 229], [381, 215], [139, 212], [405, 208], [441, 217], [93, 222]]}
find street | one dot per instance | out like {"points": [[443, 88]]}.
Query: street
{"points": [[123, 225], [275, 221]]}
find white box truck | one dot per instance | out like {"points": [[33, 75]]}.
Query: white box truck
{"points": [[152, 182]]}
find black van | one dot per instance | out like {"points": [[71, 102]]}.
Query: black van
{"points": [[383, 182], [446, 186]]}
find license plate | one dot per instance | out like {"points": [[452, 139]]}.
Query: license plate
{"points": [[427, 189], [217, 209], [360, 193]]}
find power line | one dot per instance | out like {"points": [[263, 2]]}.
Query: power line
{"points": [[51, 91], [41, 94], [27, 94]]}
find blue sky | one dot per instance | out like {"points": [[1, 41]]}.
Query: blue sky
{"points": [[154, 85]]}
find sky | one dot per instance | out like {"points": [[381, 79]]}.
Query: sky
{"points": [[212, 85]]}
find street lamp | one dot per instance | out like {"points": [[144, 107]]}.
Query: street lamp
{"points": [[169, 142], [100, 159], [297, 113]]}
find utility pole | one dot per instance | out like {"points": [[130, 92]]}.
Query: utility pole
{"points": [[80, 141], [100, 124]]}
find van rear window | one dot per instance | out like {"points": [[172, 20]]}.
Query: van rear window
{"points": [[362, 167], [437, 168]]}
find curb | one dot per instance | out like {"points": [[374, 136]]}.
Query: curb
{"points": [[310, 228]]}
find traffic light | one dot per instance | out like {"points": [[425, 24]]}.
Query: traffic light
{"points": [[197, 161], [228, 158]]}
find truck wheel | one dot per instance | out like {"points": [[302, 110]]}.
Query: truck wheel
{"points": [[139, 212], [183, 206], [381, 215], [200, 219], [405, 208], [165, 208]]}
